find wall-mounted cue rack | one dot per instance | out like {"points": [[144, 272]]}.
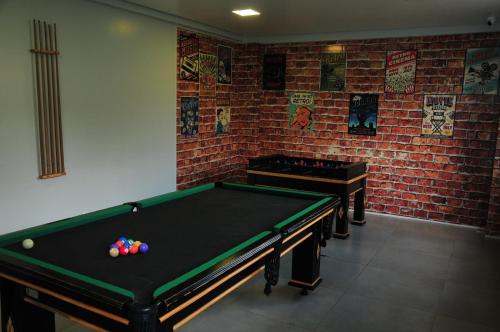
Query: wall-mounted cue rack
{"points": [[48, 101]]}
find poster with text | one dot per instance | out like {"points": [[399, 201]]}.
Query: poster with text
{"points": [[208, 74], [482, 69], [400, 71], [188, 58], [273, 73], [190, 115], [438, 116], [223, 118], [301, 110], [225, 64], [363, 113], [333, 71]]}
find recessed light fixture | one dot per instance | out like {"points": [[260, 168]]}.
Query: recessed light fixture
{"points": [[246, 12]]}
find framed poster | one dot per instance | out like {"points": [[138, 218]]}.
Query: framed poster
{"points": [[208, 74], [363, 113], [301, 110], [273, 72], [225, 64], [482, 71], [332, 71], [190, 115], [188, 58], [400, 71], [223, 118], [438, 116]]}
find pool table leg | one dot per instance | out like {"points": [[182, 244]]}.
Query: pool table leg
{"points": [[306, 261], [342, 224], [359, 205], [145, 319], [21, 316]]}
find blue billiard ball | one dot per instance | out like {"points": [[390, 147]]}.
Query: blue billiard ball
{"points": [[114, 245], [144, 248], [123, 239]]}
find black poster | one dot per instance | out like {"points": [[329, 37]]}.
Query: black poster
{"points": [[273, 73], [190, 115], [363, 112]]}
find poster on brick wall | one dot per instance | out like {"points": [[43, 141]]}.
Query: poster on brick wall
{"points": [[208, 74], [190, 115], [223, 118], [482, 71], [188, 58], [363, 113], [400, 71], [438, 115], [301, 110], [273, 72], [225, 64], [332, 71]]}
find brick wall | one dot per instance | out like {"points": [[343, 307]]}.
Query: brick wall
{"points": [[440, 179], [493, 226]]}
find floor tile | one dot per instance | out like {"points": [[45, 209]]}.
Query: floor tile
{"points": [[448, 324]]}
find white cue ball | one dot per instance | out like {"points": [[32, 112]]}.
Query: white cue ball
{"points": [[28, 244]]}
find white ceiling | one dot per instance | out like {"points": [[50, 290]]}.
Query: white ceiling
{"points": [[295, 19]]}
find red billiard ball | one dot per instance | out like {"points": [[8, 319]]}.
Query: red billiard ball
{"points": [[133, 250], [123, 251], [120, 243]]}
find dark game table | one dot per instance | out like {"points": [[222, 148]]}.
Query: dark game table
{"points": [[327, 176], [204, 242]]}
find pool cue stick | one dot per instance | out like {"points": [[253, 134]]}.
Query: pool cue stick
{"points": [[49, 98], [39, 101], [58, 114], [54, 117], [44, 98]]}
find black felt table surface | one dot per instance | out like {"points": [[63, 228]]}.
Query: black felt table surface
{"points": [[182, 234]]}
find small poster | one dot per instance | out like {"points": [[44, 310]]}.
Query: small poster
{"points": [[273, 73], [300, 111], [225, 64], [363, 112], [400, 71], [190, 115], [438, 115], [188, 58], [208, 74], [482, 71], [332, 71], [223, 118]]}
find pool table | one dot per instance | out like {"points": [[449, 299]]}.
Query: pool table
{"points": [[204, 243]]}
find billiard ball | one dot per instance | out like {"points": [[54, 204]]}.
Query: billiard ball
{"points": [[130, 241], [123, 251], [28, 244], [133, 250], [114, 245], [114, 252], [123, 239], [137, 243], [144, 248], [120, 243]]}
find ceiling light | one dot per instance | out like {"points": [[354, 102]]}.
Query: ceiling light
{"points": [[246, 12]]}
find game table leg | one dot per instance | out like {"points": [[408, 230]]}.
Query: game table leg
{"points": [[306, 261], [359, 205]]}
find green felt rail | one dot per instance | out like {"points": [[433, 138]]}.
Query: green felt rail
{"points": [[174, 195], [68, 273], [290, 219]]}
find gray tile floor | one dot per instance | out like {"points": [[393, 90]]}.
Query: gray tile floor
{"points": [[393, 274]]}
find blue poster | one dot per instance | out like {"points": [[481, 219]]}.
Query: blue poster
{"points": [[363, 111], [189, 116]]}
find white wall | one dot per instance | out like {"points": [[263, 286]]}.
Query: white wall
{"points": [[118, 85]]}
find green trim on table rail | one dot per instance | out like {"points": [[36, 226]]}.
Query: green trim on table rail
{"points": [[214, 261], [63, 224], [288, 220], [273, 190], [68, 273], [174, 195]]}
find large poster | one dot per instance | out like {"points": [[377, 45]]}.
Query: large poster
{"points": [[438, 116], [190, 115], [332, 71], [363, 112], [208, 74], [482, 69], [225, 64], [400, 71], [300, 111], [273, 73], [188, 58]]}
